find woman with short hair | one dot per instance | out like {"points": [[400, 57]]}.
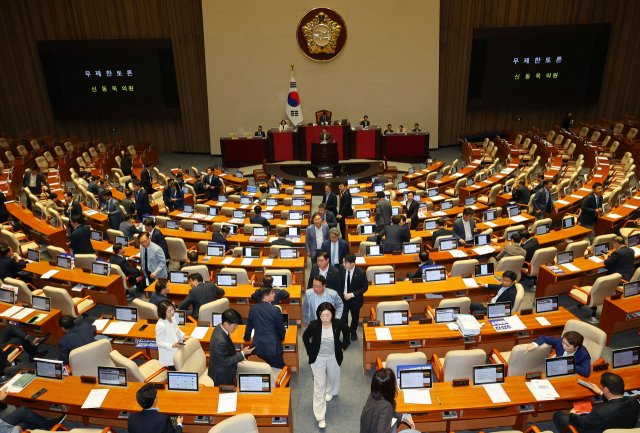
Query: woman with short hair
{"points": [[379, 414], [169, 337]]}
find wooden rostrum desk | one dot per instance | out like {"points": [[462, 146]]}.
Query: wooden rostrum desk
{"points": [[47, 325]]}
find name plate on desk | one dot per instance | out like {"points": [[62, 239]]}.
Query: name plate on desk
{"points": [[600, 367], [616, 296], [294, 301], [425, 321], [417, 280], [526, 311], [158, 385], [152, 321], [227, 389], [460, 382], [522, 334], [534, 375], [478, 316], [279, 420], [88, 379], [373, 323], [468, 340]]}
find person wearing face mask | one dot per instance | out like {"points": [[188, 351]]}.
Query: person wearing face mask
{"points": [[324, 348], [221, 237], [569, 344]]}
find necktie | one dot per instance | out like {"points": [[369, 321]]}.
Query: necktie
{"points": [[146, 261], [334, 254], [324, 217], [348, 281]]}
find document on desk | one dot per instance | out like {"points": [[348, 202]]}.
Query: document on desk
{"points": [[596, 259], [100, 324], [636, 251], [11, 311], [109, 250], [543, 321], [542, 389], [228, 260], [613, 216], [496, 393], [267, 262], [24, 313], [95, 398], [575, 196], [199, 332], [570, 267], [630, 206], [518, 219], [360, 261], [49, 274], [484, 250], [490, 224], [458, 253], [417, 396], [383, 334], [228, 402], [470, 283], [365, 220], [562, 202], [272, 238], [118, 328], [438, 213], [246, 262], [294, 222]]}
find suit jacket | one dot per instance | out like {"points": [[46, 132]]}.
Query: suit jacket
{"points": [[126, 165], [540, 202], [92, 188], [508, 295], [156, 298], [377, 416], [272, 184], [311, 238], [282, 241], [158, 238], [521, 195], [76, 337], [583, 359], [259, 134], [332, 202], [330, 219], [412, 213], [281, 295], [101, 191], [383, 212], [620, 413], [365, 123], [150, 420], [145, 178], [124, 265], [259, 219], [223, 359], [418, 272], [325, 137], [157, 261], [9, 267], [143, 207], [531, 246], [313, 334], [440, 232], [81, 240], [324, 119], [128, 229], [333, 277], [511, 250], [345, 205], [198, 187], [76, 209], [343, 248], [267, 321], [129, 206], [40, 180], [218, 238], [380, 179], [115, 216], [416, 130], [588, 214], [359, 285], [458, 228], [621, 262], [202, 294], [394, 236], [214, 183]]}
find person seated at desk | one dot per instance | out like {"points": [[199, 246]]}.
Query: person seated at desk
{"points": [[198, 186], [10, 263], [149, 419], [424, 260], [166, 196], [510, 250], [465, 228], [128, 228], [154, 264], [156, 236], [11, 334], [283, 125], [192, 259], [259, 219], [520, 193], [201, 293], [327, 217], [400, 128], [325, 137], [259, 133], [569, 344], [80, 241], [388, 130], [505, 292], [221, 237], [103, 187], [315, 235], [324, 119], [52, 203], [266, 319], [74, 337], [394, 235], [273, 182], [529, 244], [365, 122], [416, 128], [280, 294], [264, 195], [439, 232], [4, 213], [223, 359], [72, 207], [379, 412], [213, 184], [162, 290], [318, 294], [24, 418], [132, 273], [282, 234], [93, 185], [620, 259], [126, 164], [177, 196], [380, 179], [336, 247], [375, 237], [617, 411]]}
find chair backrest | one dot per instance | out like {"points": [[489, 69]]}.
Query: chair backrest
{"points": [[146, 310], [390, 306], [84, 360], [133, 372], [458, 364], [11, 241], [364, 245], [218, 306], [618, 128], [512, 229], [116, 270], [521, 364], [411, 358], [519, 297], [253, 367], [372, 270], [198, 269], [540, 258], [191, 357], [595, 339], [463, 302], [60, 300], [603, 288], [604, 238], [241, 274], [286, 272], [113, 233], [578, 248], [177, 249], [632, 133], [511, 263], [24, 293], [461, 267], [84, 261], [243, 423], [537, 223]]}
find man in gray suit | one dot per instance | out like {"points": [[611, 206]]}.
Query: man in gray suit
{"points": [[328, 217], [223, 359], [325, 136], [154, 265], [542, 200], [465, 228], [128, 228], [318, 294], [394, 235], [383, 210], [317, 233], [510, 250], [113, 210]]}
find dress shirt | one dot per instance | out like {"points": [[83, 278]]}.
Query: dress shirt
{"points": [[32, 181], [347, 278], [500, 292], [323, 273], [334, 253], [319, 238], [468, 235]]}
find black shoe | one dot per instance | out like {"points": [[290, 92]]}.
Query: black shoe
{"points": [[39, 355], [38, 341], [354, 336], [49, 424]]}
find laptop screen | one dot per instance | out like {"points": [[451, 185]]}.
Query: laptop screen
{"points": [[430, 225], [41, 303], [357, 200], [300, 182], [447, 315], [33, 255], [486, 374], [402, 185], [383, 278], [173, 225], [352, 181], [560, 366], [245, 200], [48, 369], [395, 318], [567, 223], [279, 280], [374, 251], [226, 280], [7, 296], [354, 190], [126, 314], [631, 289], [122, 240], [431, 275], [471, 200], [296, 215], [298, 191], [481, 240], [272, 201], [542, 229], [362, 214], [64, 262], [377, 187], [215, 250], [489, 215], [499, 309], [513, 211], [418, 378], [625, 357], [188, 208], [546, 304], [298, 201], [239, 214], [633, 240], [99, 268], [181, 381], [484, 270], [432, 192], [254, 383], [601, 248], [251, 252], [288, 253], [199, 228], [410, 248], [179, 277], [446, 205], [96, 236], [367, 229], [294, 231], [216, 319], [112, 376], [565, 257], [448, 244], [395, 210]]}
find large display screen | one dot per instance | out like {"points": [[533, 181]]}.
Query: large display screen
{"points": [[542, 66], [110, 78]]}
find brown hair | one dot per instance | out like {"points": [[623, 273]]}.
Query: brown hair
{"points": [[573, 338]]}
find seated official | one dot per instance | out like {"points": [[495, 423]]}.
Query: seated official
{"points": [[149, 419], [11, 334], [131, 273], [128, 228], [282, 234], [318, 294], [80, 241], [510, 250], [266, 321], [529, 244], [259, 133], [201, 293], [283, 125], [74, 337], [10, 263], [273, 182], [325, 136], [221, 237], [162, 290], [617, 411], [199, 187], [505, 292], [324, 118], [52, 203], [279, 294], [400, 128], [127, 202], [365, 122], [620, 259], [569, 344], [520, 193], [336, 247], [24, 418], [192, 259], [416, 128], [440, 231], [264, 195], [381, 178], [379, 412], [424, 260], [388, 130], [259, 219], [464, 228]]}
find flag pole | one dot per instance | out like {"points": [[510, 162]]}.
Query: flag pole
{"points": [[292, 70]]}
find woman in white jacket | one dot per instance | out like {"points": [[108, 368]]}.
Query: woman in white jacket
{"points": [[169, 337]]}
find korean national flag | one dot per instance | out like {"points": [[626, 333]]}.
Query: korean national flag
{"points": [[294, 111]]}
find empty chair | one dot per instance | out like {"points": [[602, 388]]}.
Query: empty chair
{"points": [[177, 249], [604, 239], [84, 360], [593, 296], [372, 270], [84, 261], [461, 267], [516, 363], [540, 258], [243, 423], [198, 269], [113, 233], [25, 295], [241, 274], [146, 310], [463, 302], [537, 223], [218, 306], [192, 358], [61, 300], [457, 364], [149, 371], [396, 359], [578, 248]]}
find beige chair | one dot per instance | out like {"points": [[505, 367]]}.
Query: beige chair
{"points": [[396, 359], [593, 296], [218, 306], [248, 228], [519, 297], [511, 263], [461, 267], [84, 360], [61, 300], [198, 269], [490, 199], [604, 239], [115, 269], [149, 371], [595, 339], [243, 423], [463, 302], [457, 364], [372, 270], [177, 249], [241, 274], [287, 272], [279, 377], [25, 295], [578, 248], [146, 310], [378, 313], [193, 359], [364, 245], [537, 223], [540, 258], [113, 233], [455, 192], [515, 229], [516, 363], [84, 261]]}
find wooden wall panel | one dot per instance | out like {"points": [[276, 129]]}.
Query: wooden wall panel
{"points": [[24, 104], [620, 92]]}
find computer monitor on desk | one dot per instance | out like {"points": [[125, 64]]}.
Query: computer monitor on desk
{"points": [[395, 318], [126, 314], [415, 378], [33, 255], [41, 303], [124, 240], [254, 383], [484, 269], [560, 366], [547, 304], [497, 310], [488, 374], [631, 289], [431, 275], [384, 278], [177, 277], [226, 280], [446, 314], [182, 381], [627, 357], [600, 249], [7, 296], [48, 369], [367, 229], [112, 376]]}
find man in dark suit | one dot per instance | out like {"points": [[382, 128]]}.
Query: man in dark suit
{"points": [[33, 181], [383, 210], [465, 228], [540, 184], [80, 240], [143, 207], [412, 207], [354, 283], [542, 200], [329, 198], [424, 260], [112, 209], [346, 211], [620, 259], [325, 136], [394, 236], [375, 236], [213, 184], [324, 118], [520, 193], [273, 182], [93, 186], [103, 187], [259, 219], [128, 228], [365, 122], [156, 236], [198, 186], [617, 411], [126, 164], [416, 128], [380, 179], [268, 323], [530, 244], [282, 234], [388, 130], [440, 231], [221, 237], [336, 248], [505, 292], [166, 195], [591, 208], [161, 294], [145, 177], [328, 217], [322, 267], [279, 294], [74, 337], [72, 207], [149, 419], [201, 293], [10, 263], [259, 133], [129, 271], [223, 359], [127, 202]]}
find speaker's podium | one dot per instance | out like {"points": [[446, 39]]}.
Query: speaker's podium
{"points": [[325, 154]]}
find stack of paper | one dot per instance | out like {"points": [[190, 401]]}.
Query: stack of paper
{"points": [[267, 262], [360, 261], [228, 402], [383, 334], [614, 216], [636, 250], [100, 324], [11, 311], [497, 393], [484, 250], [238, 220], [22, 314], [570, 267], [294, 222], [365, 220], [508, 324], [95, 398], [49, 274], [458, 253], [470, 283], [542, 389], [417, 396], [90, 212], [519, 218], [228, 260], [630, 206], [199, 332], [437, 197], [562, 202], [543, 321], [438, 213], [118, 328], [246, 262], [596, 259], [490, 224]]}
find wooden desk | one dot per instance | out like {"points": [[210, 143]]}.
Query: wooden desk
{"points": [[244, 240], [39, 230], [450, 180], [256, 268], [97, 221], [606, 224], [412, 147], [72, 393], [486, 185], [243, 152], [47, 325], [421, 175], [619, 315]]}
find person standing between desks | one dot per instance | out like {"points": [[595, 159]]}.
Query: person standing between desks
{"points": [[4, 213], [156, 236], [324, 348], [316, 235], [112, 209], [72, 207], [80, 241], [346, 211], [464, 228], [329, 198], [336, 247], [34, 181], [152, 259], [145, 177], [567, 121], [166, 195], [126, 164], [591, 209], [520, 193], [379, 413], [169, 337], [327, 217], [412, 208], [198, 187], [354, 285], [143, 207], [267, 321], [201, 293], [223, 359], [542, 200], [213, 184], [177, 196], [383, 210]]}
